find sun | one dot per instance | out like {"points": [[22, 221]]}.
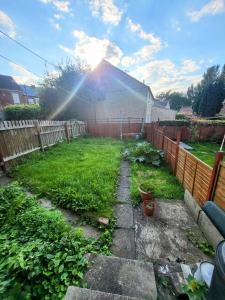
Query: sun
{"points": [[94, 54]]}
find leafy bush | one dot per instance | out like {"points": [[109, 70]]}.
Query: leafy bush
{"points": [[22, 112], [144, 153], [40, 255], [180, 116], [195, 289], [175, 123]]}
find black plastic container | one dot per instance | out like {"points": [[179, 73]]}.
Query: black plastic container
{"points": [[217, 287]]}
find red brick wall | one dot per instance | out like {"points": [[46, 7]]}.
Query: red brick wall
{"points": [[6, 98]]}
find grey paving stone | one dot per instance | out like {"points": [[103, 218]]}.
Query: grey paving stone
{"points": [[124, 215], [124, 243], [4, 180], [123, 193], [125, 172], [164, 236], [76, 293], [121, 276]]}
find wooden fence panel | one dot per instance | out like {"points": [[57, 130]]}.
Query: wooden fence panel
{"points": [[18, 138], [194, 174], [219, 191], [169, 148]]}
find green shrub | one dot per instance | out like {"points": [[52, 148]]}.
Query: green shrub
{"points": [[40, 255], [22, 112], [175, 123], [180, 116], [144, 153]]}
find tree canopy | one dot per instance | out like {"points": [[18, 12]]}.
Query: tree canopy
{"points": [[207, 97], [176, 99], [59, 93]]}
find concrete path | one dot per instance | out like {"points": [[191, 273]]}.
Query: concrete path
{"points": [[124, 239]]}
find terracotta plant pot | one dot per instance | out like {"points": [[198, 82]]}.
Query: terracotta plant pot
{"points": [[145, 195], [149, 207]]}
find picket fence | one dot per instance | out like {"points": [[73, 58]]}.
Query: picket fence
{"points": [[19, 138], [201, 180]]}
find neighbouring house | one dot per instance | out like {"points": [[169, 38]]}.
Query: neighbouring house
{"points": [[30, 93], [10, 92], [186, 110], [124, 98]]}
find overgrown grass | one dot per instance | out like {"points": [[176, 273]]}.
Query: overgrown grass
{"points": [[40, 255], [205, 151], [165, 184], [81, 176]]}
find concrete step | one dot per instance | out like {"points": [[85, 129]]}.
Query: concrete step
{"points": [[122, 276], [76, 293]]}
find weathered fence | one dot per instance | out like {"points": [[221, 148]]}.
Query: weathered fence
{"points": [[18, 138], [202, 181], [116, 128]]}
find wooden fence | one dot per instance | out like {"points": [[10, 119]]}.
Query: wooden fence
{"points": [[115, 128], [202, 181], [18, 138]]}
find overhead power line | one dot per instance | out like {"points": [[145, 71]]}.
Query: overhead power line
{"points": [[28, 49]]}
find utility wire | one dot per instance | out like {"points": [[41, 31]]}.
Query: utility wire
{"points": [[28, 49], [11, 61], [61, 88]]}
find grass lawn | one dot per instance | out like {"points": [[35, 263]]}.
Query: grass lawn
{"points": [[165, 184], [205, 151], [81, 176]]}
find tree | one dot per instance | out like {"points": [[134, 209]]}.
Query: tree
{"points": [[59, 93], [176, 99], [208, 96]]}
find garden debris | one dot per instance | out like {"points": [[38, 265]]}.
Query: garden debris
{"points": [[104, 221]]}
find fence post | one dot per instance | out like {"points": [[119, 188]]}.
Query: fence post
{"points": [[36, 124], [2, 164], [218, 158], [178, 137], [67, 132]]}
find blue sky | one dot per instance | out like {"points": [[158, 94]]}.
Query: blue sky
{"points": [[167, 44]]}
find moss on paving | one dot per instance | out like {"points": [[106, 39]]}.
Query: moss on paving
{"points": [[166, 185], [81, 176], [205, 151]]}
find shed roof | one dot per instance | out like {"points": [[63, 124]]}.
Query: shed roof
{"points": [[29, 90]]}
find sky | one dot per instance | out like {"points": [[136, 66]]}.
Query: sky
{"points": [[166, 44]]}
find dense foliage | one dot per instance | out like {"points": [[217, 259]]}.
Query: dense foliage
{"points": [[208, 96], [40, 255], [81, 176], [144, 153], [60, 93], [175, 123], [176, 99], [22, 112]]}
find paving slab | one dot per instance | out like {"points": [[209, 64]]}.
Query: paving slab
{"points": [[76, 293], [123, 193], [125, 180], [4, 180], [164, 236], [121, 276], [123, 243], [125, 172], [124, 215]]}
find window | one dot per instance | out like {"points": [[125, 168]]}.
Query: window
{"points": [[16, 98], [30, 100]]}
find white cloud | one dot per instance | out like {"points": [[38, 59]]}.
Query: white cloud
{"points": [[7, 23], [58, 16], [61, 5], [106, 10], [92, 50], [23, 76], [154, 45], [163, 75], [176, 25], [211, 8], [55, 25]]}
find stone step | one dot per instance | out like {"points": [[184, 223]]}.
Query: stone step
{"points": [[122, 276], [76, 293]]}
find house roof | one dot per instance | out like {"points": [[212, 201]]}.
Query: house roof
{"points": [[8, 83], [186, 110], [106, 72], [161, 104], [222, 111], [29, 90]]}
